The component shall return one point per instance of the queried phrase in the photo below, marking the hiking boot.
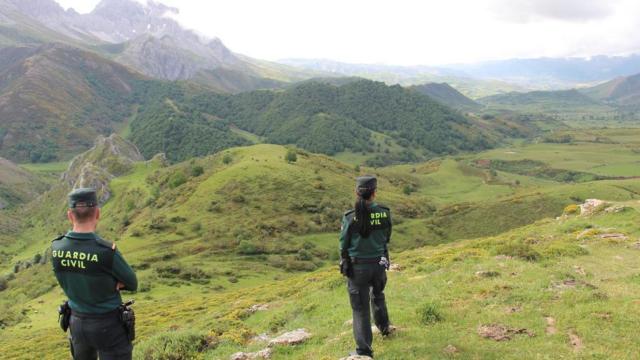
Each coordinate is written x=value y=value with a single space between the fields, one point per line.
x=360 y=356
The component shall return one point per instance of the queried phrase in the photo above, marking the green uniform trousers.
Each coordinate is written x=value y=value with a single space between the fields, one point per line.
x=366 y=290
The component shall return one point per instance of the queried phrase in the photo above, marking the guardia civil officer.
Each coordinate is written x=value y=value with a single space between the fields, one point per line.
x=91 y=271
x=364 y=239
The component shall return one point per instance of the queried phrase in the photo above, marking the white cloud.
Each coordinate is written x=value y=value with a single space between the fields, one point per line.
x=565 y=10
x=414 y=32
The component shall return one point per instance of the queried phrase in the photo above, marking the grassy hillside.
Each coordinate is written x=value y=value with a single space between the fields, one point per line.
x=17 y=186
x=234 y=81
x=545 y=102
x=623 y=91
x=446 y=94
x=574 y=296
x=213 y=236
x=57 y=99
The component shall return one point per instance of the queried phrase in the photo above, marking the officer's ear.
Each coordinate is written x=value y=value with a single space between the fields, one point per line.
x=97 y=213
x=70 y=215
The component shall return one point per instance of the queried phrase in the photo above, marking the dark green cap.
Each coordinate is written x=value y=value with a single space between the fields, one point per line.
x=366 y=182
x=85 y=197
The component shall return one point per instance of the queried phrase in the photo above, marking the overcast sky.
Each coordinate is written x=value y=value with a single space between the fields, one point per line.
x=410 y=32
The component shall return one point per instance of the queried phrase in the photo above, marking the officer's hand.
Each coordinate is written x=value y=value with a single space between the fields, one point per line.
x=119 y=286
x=385 y=262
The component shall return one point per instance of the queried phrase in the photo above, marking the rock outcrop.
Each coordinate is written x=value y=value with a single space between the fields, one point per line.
x=262 y=354
x=109 y=157
x=591 y=206
x=291 y=338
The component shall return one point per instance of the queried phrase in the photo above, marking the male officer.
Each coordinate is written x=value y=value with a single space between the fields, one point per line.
x=92 y=272
x=366 y=232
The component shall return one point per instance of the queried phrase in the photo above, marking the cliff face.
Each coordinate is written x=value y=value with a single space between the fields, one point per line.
x=152 y=42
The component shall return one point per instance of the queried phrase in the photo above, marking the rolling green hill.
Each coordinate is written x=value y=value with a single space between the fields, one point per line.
x=212 y=237
x=446 y=94
x=359 y=116
x=623 y=91
x=545 y=102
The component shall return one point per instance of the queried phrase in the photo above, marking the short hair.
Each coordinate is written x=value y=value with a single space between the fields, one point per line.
x=83 y=214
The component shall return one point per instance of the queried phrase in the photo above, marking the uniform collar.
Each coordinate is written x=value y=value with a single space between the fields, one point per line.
x=81 y=236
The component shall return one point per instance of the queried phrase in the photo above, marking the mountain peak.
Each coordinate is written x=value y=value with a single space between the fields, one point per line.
x=133 y=7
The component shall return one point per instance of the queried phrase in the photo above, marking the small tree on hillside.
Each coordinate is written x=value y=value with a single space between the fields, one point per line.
x=291 y=156
x=226 y=159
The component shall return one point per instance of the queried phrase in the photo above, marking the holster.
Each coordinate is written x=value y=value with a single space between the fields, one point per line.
x=128 y=318
x=346 y=267
x=64 y=316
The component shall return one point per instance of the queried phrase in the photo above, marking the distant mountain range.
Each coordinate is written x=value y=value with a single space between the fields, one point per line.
x=142 y=37
x=620 y=96
x=505 y=75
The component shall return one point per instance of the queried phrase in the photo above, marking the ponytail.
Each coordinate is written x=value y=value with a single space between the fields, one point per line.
x=363 y=212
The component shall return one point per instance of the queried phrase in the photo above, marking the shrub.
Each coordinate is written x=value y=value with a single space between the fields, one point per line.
x=227 y=159
x=246 y=247
x=568 y=250
x=177 y=345
x=291 y=156
x=277 y=323
x=408 y=189
x=571 y=209
x=177 y=179
x=429 y=313
x=4 y=284
x=168 y=271
x=518 y=250
x=304 y=255
x=197 y=171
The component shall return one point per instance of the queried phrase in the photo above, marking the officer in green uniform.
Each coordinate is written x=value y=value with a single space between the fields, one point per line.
x=92 y=272
x=364 y=239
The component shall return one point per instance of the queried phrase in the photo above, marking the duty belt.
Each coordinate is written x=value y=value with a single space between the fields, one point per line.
x=355 y=260
x=108 y=314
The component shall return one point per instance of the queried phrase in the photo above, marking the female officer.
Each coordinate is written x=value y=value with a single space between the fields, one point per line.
x=364 y=239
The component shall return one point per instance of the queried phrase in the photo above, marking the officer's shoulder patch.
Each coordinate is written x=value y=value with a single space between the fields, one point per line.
x=105 y=243
x=59 y=238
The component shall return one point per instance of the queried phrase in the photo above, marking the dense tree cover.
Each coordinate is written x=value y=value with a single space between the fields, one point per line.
x=315 y=116
x=180 y=134
x=324 y=118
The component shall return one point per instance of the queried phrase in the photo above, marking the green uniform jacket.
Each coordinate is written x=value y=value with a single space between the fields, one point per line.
x=370 y=247
x=88 y=268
